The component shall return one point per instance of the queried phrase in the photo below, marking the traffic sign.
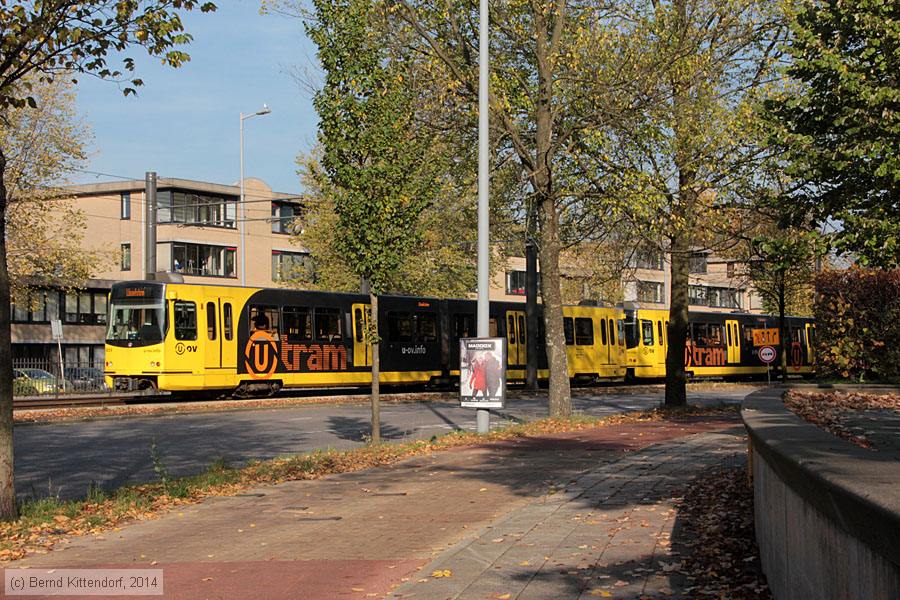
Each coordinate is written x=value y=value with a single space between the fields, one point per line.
x=766 y=337
x=767 y=354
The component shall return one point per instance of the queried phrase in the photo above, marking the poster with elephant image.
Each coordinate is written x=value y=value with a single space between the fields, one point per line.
x=482 y=372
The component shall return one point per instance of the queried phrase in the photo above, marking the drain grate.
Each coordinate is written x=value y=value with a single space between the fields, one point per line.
x=302 y=518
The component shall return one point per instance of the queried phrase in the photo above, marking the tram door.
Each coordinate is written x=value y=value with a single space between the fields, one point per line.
x=810 y=343
x=733 y=339
x=362 y=351
x=515 y=337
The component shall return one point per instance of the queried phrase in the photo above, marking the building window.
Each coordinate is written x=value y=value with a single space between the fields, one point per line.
x=650 y=291
x=38 y=307
x=193 y=208
x=283 y=214
x=649 y=259
x=697 y=295
x=515 y=283
x=203 y=260
x=85 y=308
x=126 y=257
x=697 y=262
x=125 y=204
x=729 y=269
x=290 y=265
x=724 y=297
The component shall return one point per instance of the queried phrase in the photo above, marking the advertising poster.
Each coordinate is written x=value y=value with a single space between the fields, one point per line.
x=482 y=372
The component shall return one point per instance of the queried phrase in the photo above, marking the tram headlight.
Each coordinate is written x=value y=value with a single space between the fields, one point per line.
x=109 y=363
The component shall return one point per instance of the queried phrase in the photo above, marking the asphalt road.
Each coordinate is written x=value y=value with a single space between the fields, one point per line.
x=63 y=459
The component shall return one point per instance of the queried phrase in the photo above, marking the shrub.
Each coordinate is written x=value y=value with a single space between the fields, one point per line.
x=858 y=324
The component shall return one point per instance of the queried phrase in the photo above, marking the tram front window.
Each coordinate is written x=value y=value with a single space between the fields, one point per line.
x=136 y=321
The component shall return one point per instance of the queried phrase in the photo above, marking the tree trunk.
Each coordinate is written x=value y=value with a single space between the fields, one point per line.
x=782 y=329
x=676 y=378
x=376 y=372
x=8 y=509
x=531 y=316
x=560 y=403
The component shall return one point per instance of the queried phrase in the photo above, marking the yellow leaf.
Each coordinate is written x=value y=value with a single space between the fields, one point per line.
x=601 y=593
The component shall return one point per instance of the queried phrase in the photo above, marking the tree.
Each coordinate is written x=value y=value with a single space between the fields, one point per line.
x=375 y=158
x=781 y=265
x=838 y=123
x=556 y=67
x=444 y=266
x=45 y=42
x=680 y=163
x=44 y=226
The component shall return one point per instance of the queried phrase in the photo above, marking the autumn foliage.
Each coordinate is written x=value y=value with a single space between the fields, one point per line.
x=858 y=324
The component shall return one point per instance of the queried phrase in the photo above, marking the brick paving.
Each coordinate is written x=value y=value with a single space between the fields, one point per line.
x=566 y=516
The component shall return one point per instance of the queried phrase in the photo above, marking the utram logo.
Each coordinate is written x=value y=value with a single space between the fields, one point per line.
x=181 y=348
x=261 y=355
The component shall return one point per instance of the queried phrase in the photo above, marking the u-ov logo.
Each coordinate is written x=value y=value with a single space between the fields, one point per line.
x=261 y=355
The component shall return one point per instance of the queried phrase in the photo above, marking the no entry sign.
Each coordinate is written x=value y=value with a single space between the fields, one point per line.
x=767 y=354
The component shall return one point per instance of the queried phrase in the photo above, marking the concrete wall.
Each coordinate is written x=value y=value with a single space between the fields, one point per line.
x=827 y=513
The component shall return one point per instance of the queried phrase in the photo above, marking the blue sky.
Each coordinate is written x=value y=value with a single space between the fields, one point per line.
x=184 y=122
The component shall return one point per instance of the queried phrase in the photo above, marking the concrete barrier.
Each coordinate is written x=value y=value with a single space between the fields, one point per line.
x=827 y=512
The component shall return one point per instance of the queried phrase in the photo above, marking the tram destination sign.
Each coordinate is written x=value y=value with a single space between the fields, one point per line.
x=482 y=372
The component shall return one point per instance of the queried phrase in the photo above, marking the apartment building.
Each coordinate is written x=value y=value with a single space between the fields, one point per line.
x=198 y=241
x=716 y=284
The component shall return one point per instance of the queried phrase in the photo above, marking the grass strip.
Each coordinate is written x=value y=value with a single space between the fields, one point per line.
x=44 y=522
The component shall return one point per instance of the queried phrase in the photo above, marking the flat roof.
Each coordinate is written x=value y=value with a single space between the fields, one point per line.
x=137 y=185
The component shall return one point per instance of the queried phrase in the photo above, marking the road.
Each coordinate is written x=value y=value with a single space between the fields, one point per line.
x=63 y=459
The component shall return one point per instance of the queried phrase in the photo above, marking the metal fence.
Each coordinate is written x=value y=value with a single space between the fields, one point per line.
x=43 y=377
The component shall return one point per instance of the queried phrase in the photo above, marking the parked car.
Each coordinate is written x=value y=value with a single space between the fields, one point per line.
x=85 y=379
x=38 y=381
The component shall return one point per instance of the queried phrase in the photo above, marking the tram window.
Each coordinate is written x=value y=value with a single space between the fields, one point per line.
x=358 y=328
x=521 y=329
x=464 y=325
x=659 y=333
x=568 y=331
x=511 y=329
x=227 y=321
x=427 y=327
x=328 y=324
x=211 y=320
x=602 y=331
x=612 y=332
x=728 y=334
x=630 y=326
x=647 y=332
x=185 y=314
x=264 y=318
x=400 y=327
x=748 y=334
x=584 y=332
x=795 y=335
x=621 y=325
x=297 y=322
x=714 y=334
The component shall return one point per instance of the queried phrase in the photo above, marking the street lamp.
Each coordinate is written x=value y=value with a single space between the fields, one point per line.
x=243 y=222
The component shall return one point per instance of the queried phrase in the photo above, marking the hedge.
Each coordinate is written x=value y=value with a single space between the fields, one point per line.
x=858 y=324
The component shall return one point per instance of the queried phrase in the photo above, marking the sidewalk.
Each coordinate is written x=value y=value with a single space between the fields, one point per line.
x=582 y=514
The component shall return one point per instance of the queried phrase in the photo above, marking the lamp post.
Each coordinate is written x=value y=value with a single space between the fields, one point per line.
x=483 y=416
x=243 y=216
